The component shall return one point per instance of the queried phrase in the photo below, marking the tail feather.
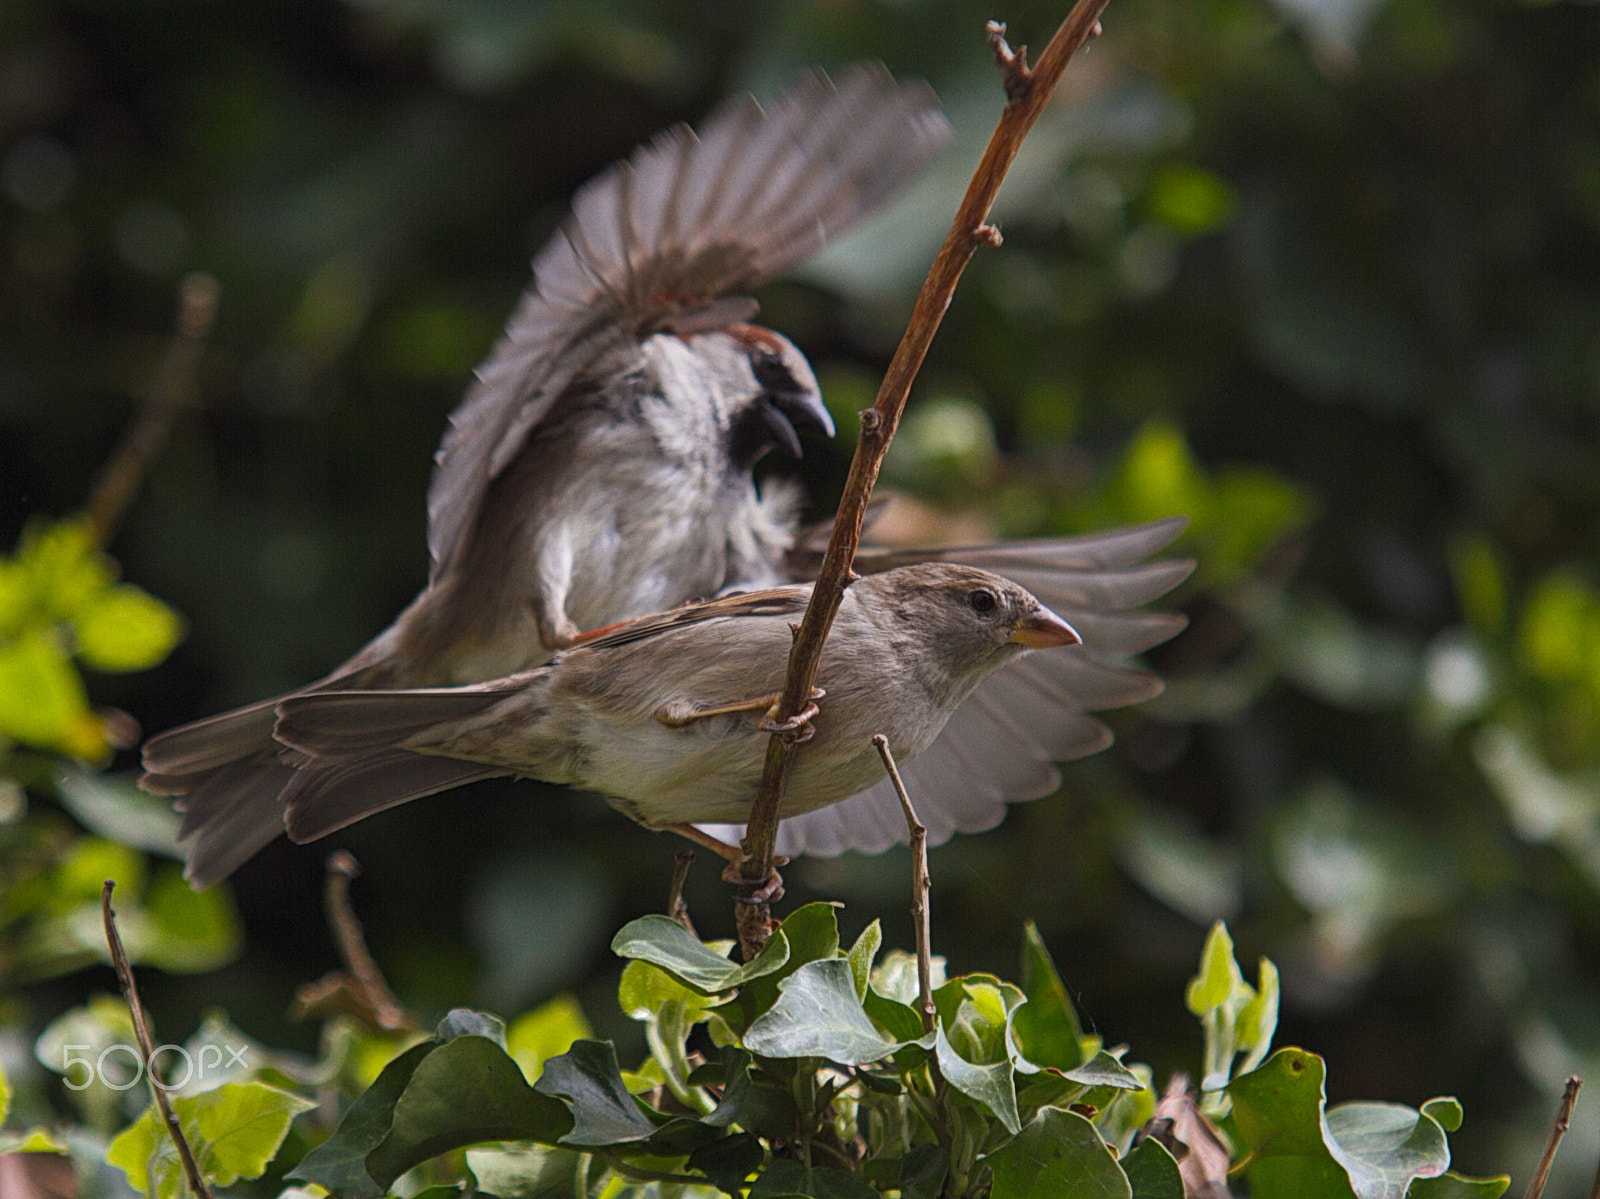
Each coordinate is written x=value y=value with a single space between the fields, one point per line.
x=326 y=795
x=332 y=724
x=233 y=817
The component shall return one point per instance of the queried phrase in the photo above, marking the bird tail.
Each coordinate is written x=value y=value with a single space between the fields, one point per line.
x=226 y=776
x=346 y=765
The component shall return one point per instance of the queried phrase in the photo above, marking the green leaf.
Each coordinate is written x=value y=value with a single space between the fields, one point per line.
x=188 y=931
x=234 y=1132
x=42 y=700
x=1058 y=1153
x=1190 y=199
x=1446 y=1111
x=665 y=943
x=535 y=1037
x=115 y=806
x=125 y=628
x=463 y=1092
x=1152 y=1171
x=861 y=955
x=339 y=1163
x=1046 y=1027
x=786 y=1178
x=603 y=1111
x=1277 y=1112
x=992 y=1085
x=1103 y=1070
x=818 y=1014
x=1383 y=1146
x=729 y=1161
x=465 y=1022
x=1259 y=1018
x=923 y=1171
x=526 y=1172
x=1451 y=1185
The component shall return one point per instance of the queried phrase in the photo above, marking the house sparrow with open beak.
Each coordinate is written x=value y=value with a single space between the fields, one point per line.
x=668 y=716
x=599 y=467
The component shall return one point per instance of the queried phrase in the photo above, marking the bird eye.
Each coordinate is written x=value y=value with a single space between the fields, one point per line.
x=983 y=600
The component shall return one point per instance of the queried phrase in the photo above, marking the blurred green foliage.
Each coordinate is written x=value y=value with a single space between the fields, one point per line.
x=1325 y=276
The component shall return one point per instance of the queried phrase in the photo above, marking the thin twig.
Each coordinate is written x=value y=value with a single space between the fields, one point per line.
x=921 y=885
x=1027 y=92
x=1558 y=1129
x=141 y=1031
x=360 y=987
x=173 y=383
x=676 y=907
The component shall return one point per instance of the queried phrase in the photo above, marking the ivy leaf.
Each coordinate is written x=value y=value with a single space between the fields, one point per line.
x=665 y=943
x=525 y=1172
x=1103 y=1070
x=786 y=1178
x=819 y=1014
x=1046 y=1027
x=1446 y=1109
x=1383 y=1146
x=548 y=1031
x=862 y=953
x=125 y=628
x=1058 y=1153
x=1277 y=1112
x=729 y=1161
x=1451 y=1185
x=992 y=1085
x=234 y=1131
x=603 y=1111
x=1152 y=1171
x=463 y=1092
x=339 y=1163
x=42 y=700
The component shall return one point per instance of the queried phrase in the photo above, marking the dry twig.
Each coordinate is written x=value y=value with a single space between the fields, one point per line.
x=174 y=381
x=1027 y=93
x=359 y=989
x=147 y=1045
x=921 y=885
x=676 y=907
x=1558 y=1129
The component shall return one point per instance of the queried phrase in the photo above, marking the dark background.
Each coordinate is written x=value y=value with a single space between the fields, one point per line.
x=1322 y=274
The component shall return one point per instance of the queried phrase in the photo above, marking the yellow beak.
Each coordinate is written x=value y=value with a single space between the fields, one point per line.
x=1043 y=630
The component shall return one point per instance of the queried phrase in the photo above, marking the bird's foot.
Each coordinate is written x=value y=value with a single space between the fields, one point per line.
x=769 y=891
x=798 y=729
x=678 y=713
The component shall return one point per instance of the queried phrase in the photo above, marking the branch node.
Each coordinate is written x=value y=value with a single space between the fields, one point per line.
x=1014 y=69
x=871 y=422
x=988 y=235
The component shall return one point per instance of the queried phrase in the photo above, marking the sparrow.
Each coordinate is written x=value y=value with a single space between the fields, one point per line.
x=1002 y=745
x=668 y=717
x=599 y=466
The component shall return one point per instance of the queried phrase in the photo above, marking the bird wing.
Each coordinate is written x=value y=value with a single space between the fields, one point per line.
x=772 y=601
x=1001 y=745
x=666 y=240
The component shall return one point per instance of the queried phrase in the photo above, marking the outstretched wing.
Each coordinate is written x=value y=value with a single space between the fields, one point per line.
x=667 y=239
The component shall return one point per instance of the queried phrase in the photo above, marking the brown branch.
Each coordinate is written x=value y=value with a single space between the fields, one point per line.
x=141 y=1031
x=676 y=907
x=921 y=885
x=1558 y=1129
x=174 y=381
x=1027 y=92
x=359 y=989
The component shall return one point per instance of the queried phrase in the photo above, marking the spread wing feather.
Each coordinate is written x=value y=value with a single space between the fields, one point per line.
x=665 y=239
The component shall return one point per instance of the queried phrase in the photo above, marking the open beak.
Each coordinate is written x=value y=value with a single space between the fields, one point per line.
x=783 y=412
x=1043 y=630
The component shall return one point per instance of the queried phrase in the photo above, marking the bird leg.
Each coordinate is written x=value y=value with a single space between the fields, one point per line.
x=681 y=712
x=769 y=891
